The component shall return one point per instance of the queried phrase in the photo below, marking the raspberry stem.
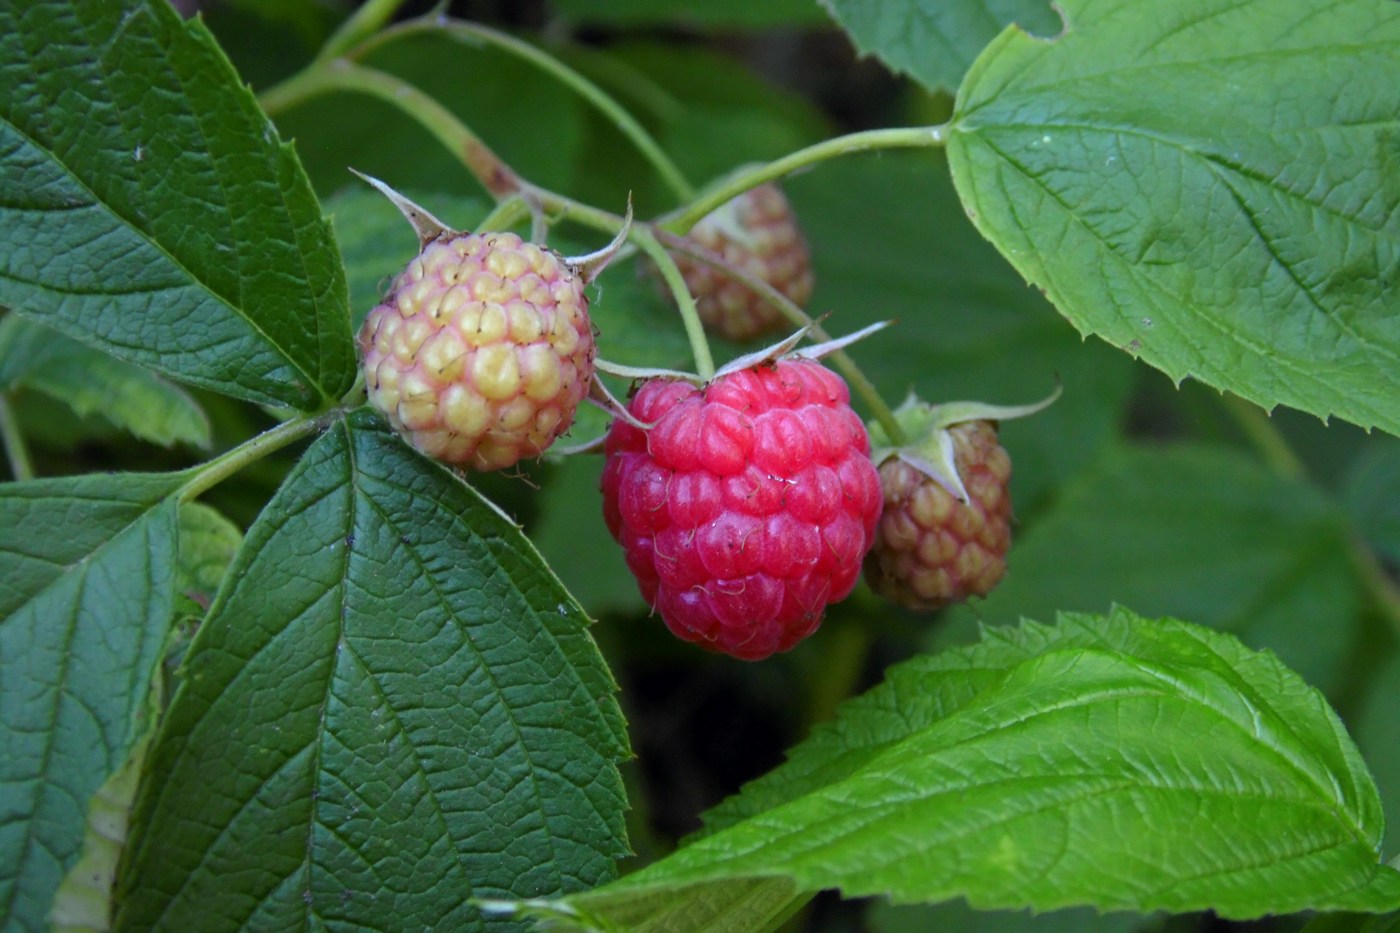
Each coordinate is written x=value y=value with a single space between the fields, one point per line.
x=341 y=75
x=505 y=214
x=16 y=451
x=917 y=137
x=208 y=475
x=365 y=21
x=861 y=385
x=694 y=331
x=474 y=34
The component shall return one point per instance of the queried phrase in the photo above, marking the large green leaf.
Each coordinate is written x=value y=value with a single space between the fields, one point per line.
x=1116 y=762
x=151 y=211
x=935 y=41
x=89 y=571
x=93 y=382
x=966 y=326
x=1197 y=533
x=391 y=707
x=1211 y=185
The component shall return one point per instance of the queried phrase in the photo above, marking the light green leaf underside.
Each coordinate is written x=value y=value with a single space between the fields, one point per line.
x=93 y=382
x=935 y=41
x=83 y=902
x=1115 y=762
x=151 y=211
x=1211 y=185
x=392 y=707
x=88 y=564
x=1197 y=533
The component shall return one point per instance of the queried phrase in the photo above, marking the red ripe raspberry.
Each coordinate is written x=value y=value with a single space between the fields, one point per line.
x=758 y=233
x=932 y=550
x=482 y=351
x=747 y=507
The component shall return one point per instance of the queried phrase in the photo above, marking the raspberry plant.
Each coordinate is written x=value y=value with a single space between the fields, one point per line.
x=264 y=665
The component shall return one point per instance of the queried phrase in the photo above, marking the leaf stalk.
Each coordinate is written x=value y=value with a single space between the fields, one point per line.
x=16 y=451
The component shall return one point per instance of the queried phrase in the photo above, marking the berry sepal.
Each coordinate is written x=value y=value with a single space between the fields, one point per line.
x=945 y=525
x=929 y=447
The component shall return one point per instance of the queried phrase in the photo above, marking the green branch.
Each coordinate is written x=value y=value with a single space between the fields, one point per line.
x=861 y=385
x=365 y=22
x=922 y=137
x=694 y=331
x=208 y=475
x=340 y=75
x=474 y=34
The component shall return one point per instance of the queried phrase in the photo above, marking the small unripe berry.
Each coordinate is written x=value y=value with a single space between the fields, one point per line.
x=758 y=233
x=932 y=550
x=482 y=351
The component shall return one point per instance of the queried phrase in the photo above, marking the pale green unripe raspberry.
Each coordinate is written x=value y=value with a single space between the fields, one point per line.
x=482 y=351
x=758 y=233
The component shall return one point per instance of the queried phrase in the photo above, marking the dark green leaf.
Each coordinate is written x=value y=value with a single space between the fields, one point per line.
x=391 y=708
x=1115 y=762
x=93 y=382
x=1213 y=187
x=208 y=543
x=890 y=242
x=89 y=571
x=935 y=41
x=1193 y=532
x=1372 y=495
x=151 y=211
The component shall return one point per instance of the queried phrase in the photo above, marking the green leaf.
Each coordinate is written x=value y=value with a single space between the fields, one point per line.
x=935 y=41
x=83 y=902
x=1214 y=188
x=1372 y=494
x=392 y=707
x=1198 y=533
x=1115 y=762
x=88 y=564
x=208 y=543
x=93 y=382
x=966 y=326
x=151 y=211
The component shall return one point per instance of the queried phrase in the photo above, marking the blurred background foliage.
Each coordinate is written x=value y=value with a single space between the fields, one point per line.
x=1128 y=490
